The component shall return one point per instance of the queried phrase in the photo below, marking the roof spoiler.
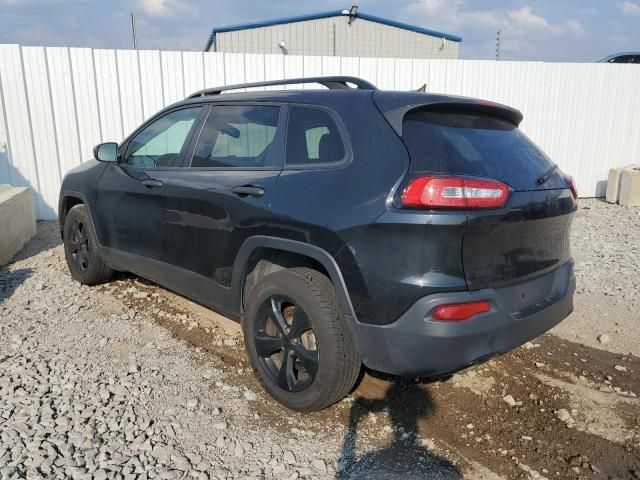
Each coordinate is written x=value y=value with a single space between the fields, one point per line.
x=394 y=108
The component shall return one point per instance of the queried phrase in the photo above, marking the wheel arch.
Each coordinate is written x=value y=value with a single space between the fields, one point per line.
x=243 y=264
x=68 y=200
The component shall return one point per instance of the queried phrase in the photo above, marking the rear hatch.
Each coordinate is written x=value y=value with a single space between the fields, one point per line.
x=521 y=239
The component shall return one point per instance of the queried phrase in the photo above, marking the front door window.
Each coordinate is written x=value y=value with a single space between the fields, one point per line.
x=161 y=143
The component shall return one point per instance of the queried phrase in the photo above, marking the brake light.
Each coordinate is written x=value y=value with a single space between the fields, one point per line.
x=455 y=192
x=572 y=186
x=460 y=311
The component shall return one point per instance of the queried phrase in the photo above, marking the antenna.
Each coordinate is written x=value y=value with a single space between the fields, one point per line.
x=498 y=45
x=133 y=31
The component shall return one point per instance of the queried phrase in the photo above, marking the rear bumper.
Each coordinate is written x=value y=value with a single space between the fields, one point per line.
x=415 y=345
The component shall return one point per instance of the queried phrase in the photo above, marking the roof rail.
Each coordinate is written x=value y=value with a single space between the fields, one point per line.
x=337 y=83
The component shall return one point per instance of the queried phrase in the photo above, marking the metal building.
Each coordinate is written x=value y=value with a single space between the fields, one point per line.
x=346 y=33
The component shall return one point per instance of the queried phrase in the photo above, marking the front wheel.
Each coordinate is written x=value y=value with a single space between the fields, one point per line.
x=81 y=249
x=298 y=343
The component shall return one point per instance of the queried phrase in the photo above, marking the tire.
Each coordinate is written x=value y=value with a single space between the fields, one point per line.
x=81 y=249
x=314 y=328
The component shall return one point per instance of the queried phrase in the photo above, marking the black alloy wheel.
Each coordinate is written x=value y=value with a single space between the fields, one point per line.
x=81 y=248
x=286 y=343
x=79 y=245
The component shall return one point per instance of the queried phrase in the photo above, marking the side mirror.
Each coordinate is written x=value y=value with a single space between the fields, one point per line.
x=106 y=152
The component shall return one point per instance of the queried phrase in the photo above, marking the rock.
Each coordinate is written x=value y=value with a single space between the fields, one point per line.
x=219 y=425
x=563 y=415
x=238 y=451
x=250 y=395
x=181 y=462
x=319 y=464
x=511 y=401
x=100 y=474
x=192 y=404
x=289 y=458
x=620 y=368
x=603 y=338
x=220 y=443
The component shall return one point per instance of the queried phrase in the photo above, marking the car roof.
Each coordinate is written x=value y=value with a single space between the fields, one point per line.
x=393 y=104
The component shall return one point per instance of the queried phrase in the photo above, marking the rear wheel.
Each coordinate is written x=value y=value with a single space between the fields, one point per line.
x=298 y=343
x=81 y=249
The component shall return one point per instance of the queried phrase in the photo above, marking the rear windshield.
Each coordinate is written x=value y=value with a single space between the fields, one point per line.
x=476 y=145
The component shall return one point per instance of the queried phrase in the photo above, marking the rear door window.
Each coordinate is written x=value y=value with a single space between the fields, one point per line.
x=474 y=145
x=237 y=136
x=313 y=138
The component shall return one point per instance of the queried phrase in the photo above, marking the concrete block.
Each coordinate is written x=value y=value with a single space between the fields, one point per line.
x=613 y=182
x=17 y=222
x=630 y=188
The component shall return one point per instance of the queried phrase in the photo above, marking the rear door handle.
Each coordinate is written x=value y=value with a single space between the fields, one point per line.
x=248 y=191
x=151 y=183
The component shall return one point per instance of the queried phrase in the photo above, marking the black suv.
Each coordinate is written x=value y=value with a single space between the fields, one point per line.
x=416 y=234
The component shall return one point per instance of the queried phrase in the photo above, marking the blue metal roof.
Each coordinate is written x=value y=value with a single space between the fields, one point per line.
x=332 y=13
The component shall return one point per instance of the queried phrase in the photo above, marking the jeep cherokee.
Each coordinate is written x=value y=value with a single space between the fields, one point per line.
x=414 y=233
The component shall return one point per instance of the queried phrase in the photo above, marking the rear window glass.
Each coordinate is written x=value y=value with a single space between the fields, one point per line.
x=471 y=144
x=313 y=138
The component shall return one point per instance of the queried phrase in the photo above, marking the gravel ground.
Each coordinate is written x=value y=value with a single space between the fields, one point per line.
x=91 y=388
x=606 y=248
x=128 y=380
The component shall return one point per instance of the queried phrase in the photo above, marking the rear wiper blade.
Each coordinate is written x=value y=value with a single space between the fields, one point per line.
x=547 y=175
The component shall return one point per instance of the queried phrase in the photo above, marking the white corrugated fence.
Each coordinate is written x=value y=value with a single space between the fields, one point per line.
x=56 y=103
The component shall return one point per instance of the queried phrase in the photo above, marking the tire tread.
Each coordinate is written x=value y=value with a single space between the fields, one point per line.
x=322 y=289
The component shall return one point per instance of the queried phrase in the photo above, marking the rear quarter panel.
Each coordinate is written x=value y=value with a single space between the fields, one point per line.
x=388 y=257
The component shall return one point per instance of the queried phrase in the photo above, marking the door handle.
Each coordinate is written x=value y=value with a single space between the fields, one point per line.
x=151 y=183
x=248 y=191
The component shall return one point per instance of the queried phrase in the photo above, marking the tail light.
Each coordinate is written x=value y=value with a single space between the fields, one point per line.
x=572 y=186
x=455 y=192
x=460 y=311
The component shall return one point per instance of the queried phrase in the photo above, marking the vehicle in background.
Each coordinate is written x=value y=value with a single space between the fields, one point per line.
x=626 y=57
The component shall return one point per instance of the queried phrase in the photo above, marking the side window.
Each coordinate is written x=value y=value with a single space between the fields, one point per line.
x=623 y=59
x=313 y=138
x=237 y=136
x=160 y=144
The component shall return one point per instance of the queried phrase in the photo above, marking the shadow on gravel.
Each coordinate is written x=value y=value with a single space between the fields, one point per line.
x=11 y=280
x=406 y=403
